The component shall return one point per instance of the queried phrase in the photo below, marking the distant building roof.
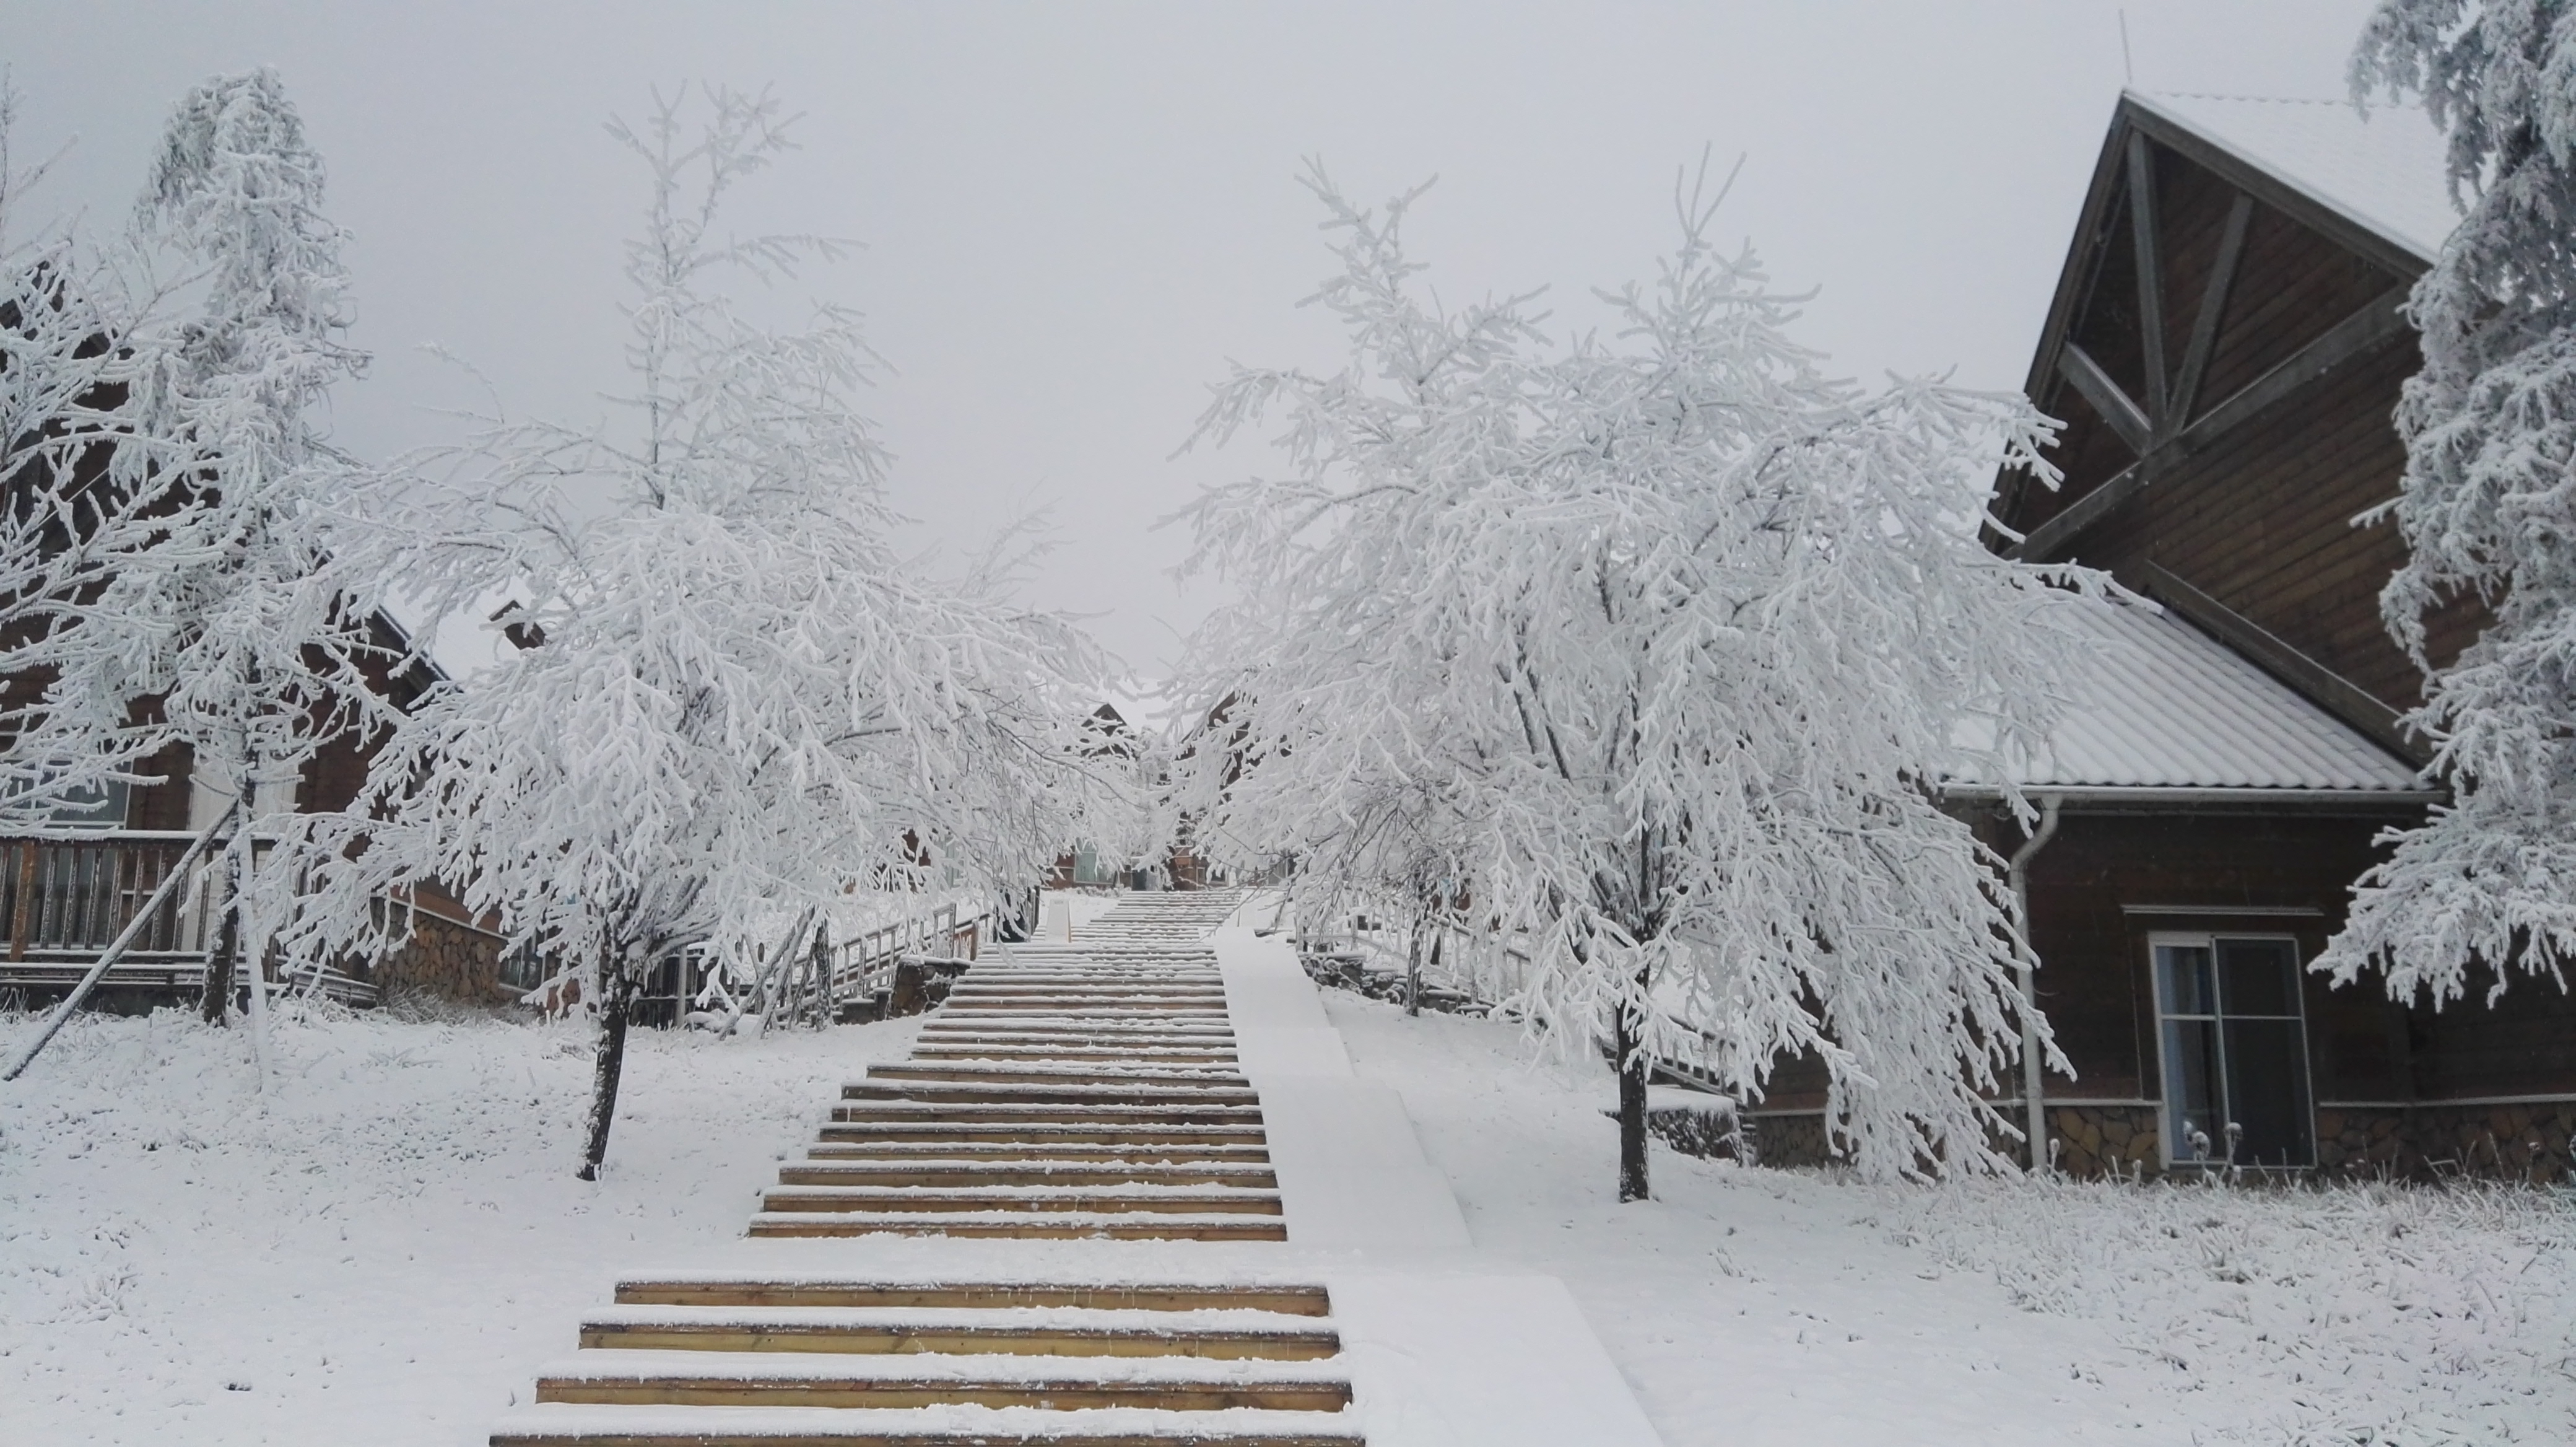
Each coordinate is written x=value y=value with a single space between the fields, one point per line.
x=2384 y=171
x=2168 y=707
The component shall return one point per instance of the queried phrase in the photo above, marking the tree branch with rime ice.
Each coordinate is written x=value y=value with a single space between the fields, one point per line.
x=730 y=697
x=1655 y=648
x=2487 y=506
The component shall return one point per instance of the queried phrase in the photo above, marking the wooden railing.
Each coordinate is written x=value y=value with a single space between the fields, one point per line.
x=71 y=897
x=816 y=983
x=864 y=967
x=65 y=899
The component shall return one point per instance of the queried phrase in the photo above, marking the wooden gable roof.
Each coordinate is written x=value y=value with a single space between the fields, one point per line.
x=2203 y=288
x=2225 y=346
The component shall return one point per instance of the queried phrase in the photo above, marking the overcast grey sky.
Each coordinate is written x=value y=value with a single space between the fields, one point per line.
x=1075 y=214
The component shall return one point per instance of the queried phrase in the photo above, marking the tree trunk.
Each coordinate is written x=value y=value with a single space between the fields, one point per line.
x=616 y=1002
x=1632 y=1108
x=215 y=998
x=1413 y=969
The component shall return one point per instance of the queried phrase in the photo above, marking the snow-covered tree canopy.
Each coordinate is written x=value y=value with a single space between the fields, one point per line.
x=729 y=691
x=210 y=612
x=72 y=491
x=2487 y=506
x=1663 y=641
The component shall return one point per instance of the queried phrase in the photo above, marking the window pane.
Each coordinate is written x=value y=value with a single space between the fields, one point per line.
x=2258 y=977
x=100 y=806
x=2192 y=1093
x=2182 y=979
x=2267 y=1092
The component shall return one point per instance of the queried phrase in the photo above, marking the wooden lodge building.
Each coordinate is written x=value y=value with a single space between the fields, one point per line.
x=66 y=894
x=2226 y=350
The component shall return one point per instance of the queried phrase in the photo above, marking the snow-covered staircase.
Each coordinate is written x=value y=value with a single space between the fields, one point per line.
x=1063 y=1092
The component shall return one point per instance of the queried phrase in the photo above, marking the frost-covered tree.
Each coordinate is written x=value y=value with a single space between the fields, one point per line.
x=1665 y=640
x=731 y=697
x=2487 y=506
x=80 y=481
x=229 y=631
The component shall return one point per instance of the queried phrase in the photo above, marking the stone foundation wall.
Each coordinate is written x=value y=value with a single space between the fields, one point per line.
x=2533 y=1142
x=446 y=960
x=2526 y=1141
x=1791 y=1140
x=2100 y=1140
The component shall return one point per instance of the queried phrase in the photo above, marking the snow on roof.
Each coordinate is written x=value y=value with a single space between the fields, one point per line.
x=2168 y=707
x=2385 y=171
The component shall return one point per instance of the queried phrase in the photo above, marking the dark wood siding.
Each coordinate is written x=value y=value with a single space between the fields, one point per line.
x=2094 y=984
x=164 y=805
x=2525 y=1044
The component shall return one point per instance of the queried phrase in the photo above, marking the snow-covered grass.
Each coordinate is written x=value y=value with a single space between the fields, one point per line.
x=385 y=1248
x=1751 y=1307
x=388 y=1246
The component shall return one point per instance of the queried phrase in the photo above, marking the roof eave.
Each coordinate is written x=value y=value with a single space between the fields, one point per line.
x=2163 y=798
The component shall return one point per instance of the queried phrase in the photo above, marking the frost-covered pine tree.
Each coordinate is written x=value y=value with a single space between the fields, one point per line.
x=1665 y=640
x=230 y=631
x=2487 y=506
x=730 y=696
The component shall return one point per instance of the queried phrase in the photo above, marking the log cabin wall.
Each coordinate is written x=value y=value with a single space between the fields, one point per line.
x=2108 y=882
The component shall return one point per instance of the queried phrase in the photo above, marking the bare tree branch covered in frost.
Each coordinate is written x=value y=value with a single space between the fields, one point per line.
x=214 y=618
x=76 y=475
x=1665 y=641
x=2487 y=506
x=730 y=694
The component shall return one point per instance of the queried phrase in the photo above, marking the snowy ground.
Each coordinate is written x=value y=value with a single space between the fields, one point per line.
x=387 y=1248
x=1768 y=1307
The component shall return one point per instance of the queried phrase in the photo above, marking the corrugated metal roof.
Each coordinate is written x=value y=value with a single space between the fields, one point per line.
x=2384 y=171
x=2168 y=707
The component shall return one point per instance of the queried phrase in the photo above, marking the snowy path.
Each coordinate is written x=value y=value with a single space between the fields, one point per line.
x=1447 y=1344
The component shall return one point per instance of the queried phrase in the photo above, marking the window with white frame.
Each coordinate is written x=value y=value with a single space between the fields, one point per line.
x=2234 y=1046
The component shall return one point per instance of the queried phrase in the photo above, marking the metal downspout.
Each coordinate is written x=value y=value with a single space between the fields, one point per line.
x=2017 y=870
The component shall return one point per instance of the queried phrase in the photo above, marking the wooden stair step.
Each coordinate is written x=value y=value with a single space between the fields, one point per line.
x=564 y=1424
x=1058 y=1087
x=1130 y=1200
x=809 y=1379
x=920 y=1152
x=1027 y=1226
x=1055 y=1068
x=1028 y=1173
x=1057 y=1131
x=1212 y=1336
x=997 y=1113
x=1077 y=1054
x=719 y=1289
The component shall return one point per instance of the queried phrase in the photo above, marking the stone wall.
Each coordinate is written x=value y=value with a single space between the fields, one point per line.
x=445 y=960
x=2098 y=1140
x=2529 y=1142
x=1791 y=1140
x=2526 y=1141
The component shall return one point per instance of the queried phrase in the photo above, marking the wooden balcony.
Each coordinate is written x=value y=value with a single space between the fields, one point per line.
x=64 y=899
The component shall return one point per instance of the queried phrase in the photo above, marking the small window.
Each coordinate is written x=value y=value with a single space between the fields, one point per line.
x=96 y=806
x=2235 y=1050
